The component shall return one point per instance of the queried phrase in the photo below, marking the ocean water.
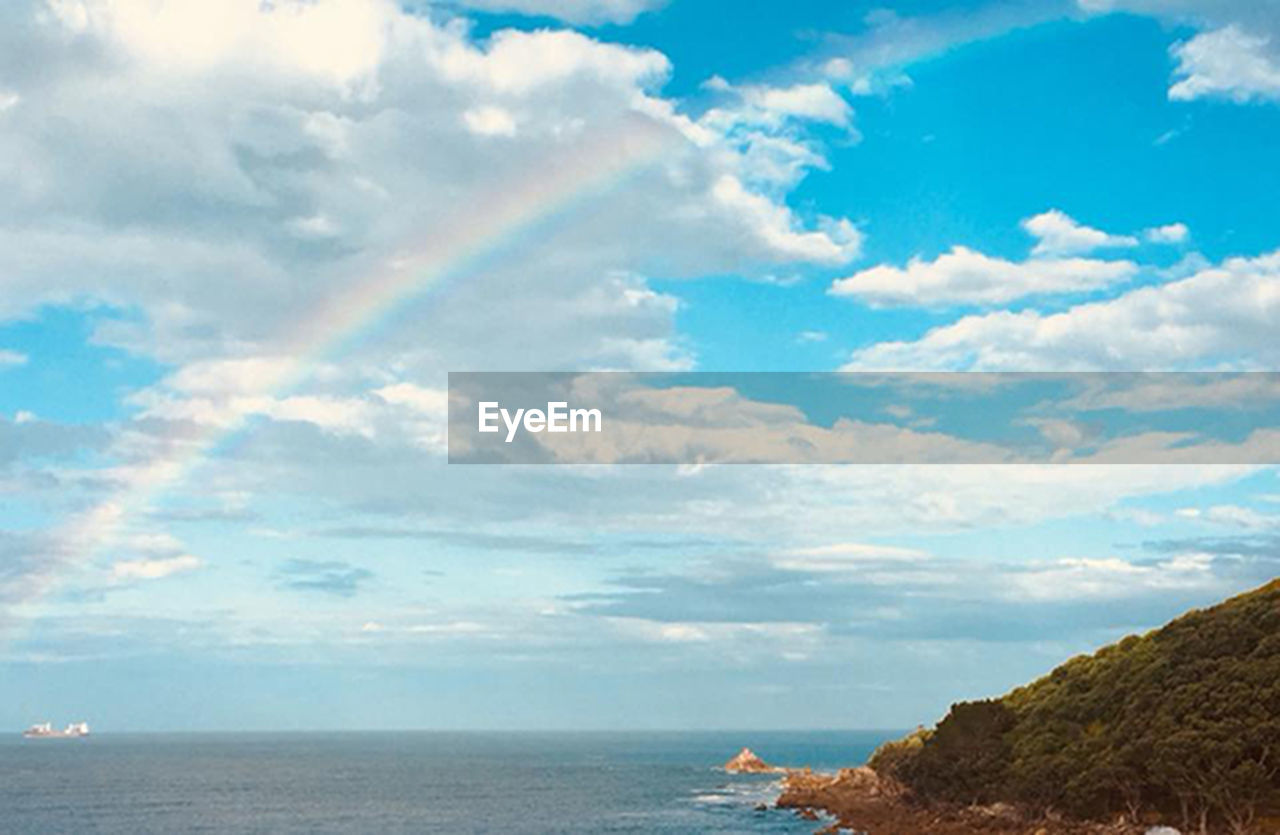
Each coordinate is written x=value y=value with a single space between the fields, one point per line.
x=407 y=782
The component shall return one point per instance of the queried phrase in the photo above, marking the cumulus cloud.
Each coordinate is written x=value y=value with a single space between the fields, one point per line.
x=1170 y=233
x=488 y=120
x=222 y=393
x=964 y=276
x=338 y=40
x=219 y=218
x=571 y=11
x=761 y=130
x=1234 y=55
x=292 y=154
x=233 y=189
x=1221 y=316
x=1057 y=233
x=816 y=102
x=1228 y=63
x=838 y=242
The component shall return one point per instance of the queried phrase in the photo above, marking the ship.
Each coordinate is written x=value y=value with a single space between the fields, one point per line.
x=45 y=730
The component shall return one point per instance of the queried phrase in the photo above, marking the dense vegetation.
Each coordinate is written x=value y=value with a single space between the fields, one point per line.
x=1181 y=725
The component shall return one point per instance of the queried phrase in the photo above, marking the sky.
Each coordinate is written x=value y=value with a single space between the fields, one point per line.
x=242 y=244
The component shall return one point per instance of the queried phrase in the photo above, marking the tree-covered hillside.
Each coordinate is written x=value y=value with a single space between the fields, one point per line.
x=1180 y=725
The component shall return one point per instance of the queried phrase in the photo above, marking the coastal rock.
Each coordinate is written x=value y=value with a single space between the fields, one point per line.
x=863 y=800
x=804 y=788
x=1001 y=811
x=746 y=762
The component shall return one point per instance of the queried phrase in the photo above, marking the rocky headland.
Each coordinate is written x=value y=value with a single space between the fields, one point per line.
x=1174 y=731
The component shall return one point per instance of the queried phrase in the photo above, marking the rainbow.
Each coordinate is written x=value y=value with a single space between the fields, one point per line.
x=549 y=190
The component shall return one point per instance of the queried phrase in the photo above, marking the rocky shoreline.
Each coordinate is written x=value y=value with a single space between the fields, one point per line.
x=862 y=801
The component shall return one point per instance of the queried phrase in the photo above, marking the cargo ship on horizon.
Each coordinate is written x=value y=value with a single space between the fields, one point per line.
x=45 y=730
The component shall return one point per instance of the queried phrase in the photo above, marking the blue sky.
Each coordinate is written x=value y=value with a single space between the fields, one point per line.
x=241 y=246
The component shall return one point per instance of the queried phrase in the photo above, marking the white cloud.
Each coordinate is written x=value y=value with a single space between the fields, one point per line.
x=837 y=243
x=516 y=62
x=431 y=402
x=572 y=11
x=1233 y=516
x=341 y=415
x=845 y=557
x=246 y=375
x=815 y=102
x=1059 y=234
x=154 y=569
x=255 y=198
x=294 y=165
x=1170 y=233
x=760 y=129
x=1228 y=63
x=9 y=359
x=1221 y=316
x=337 y=40
x=488 y=120
x=1234 y=56
x=764 y=634
x=310 y=181
x=1137 y=515
x=1109 y=577
x=963 y=276
x=315 y=226
x=429 y=413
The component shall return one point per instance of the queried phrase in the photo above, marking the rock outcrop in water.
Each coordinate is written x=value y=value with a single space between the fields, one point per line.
x=746 y=762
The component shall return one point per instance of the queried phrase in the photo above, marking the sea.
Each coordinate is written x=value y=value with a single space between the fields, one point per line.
x=400 y=782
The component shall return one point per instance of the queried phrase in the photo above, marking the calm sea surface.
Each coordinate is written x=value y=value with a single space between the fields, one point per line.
x=406 y=782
